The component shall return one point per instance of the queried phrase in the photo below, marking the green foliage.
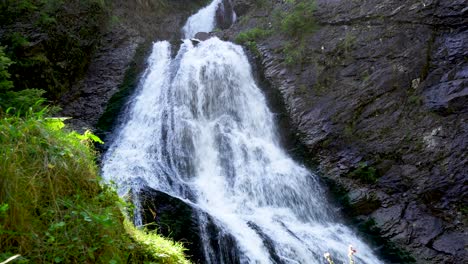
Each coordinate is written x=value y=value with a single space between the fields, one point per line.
x=299 y=20
x=17 y=102
x=58 y=49
x=20 y=103
x=415 y=100
x=347 y=43
x=294 y=54
x=252 y=35
x=248 y=38
x=5 y=62
x=52 y=208
x=260 y=3
x=365 y=173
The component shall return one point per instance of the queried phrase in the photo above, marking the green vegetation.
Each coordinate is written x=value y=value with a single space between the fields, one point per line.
x=50 y=41
x=299 y=20
x=252 y=35
x=365 y=173
x=249 y=38
x=296 y=21
x=53 y=208
x=294 y=54
x=16 y=102
x=346 y=44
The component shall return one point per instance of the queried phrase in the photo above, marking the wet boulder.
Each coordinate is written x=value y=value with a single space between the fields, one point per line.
x=184 y=222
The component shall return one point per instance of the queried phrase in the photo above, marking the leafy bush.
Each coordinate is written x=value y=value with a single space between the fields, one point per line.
x=16 y=102
x=299 y=20
x=365 y=173
x=50 y=41
x=5 y=62
x=252 y=35
x=294 y=54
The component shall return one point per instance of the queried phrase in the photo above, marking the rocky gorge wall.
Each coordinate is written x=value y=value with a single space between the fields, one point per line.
x=120 y=58
x=378 y=93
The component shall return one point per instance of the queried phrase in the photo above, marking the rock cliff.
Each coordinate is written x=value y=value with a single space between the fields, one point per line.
x=378 y=94
x=120 y=57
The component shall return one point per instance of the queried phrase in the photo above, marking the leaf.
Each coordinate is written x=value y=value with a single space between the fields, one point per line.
x=3 y=208
x=88 y=134
x=55 y=123
x=86 y=217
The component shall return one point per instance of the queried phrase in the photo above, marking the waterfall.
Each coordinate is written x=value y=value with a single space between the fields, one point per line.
x=199 y=129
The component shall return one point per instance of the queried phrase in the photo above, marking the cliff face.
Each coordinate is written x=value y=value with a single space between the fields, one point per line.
x=121 y=54
x=378 y=93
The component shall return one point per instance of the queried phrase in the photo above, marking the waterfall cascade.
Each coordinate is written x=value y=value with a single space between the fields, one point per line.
x=199 y=129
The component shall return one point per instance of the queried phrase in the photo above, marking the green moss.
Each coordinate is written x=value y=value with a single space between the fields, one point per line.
x=294 y=54
x=364 y=173
x=128 y=86
x=252 y=35
x=299 y=19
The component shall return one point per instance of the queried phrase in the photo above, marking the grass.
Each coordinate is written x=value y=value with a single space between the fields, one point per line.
x=52 y=206
x=249 y=38
x=252 y=34
x=299 y=19
x=297 y=22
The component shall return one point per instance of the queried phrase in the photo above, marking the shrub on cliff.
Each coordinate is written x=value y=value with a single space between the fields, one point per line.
x=299 y=19
x=50 y=41
x=16 y=102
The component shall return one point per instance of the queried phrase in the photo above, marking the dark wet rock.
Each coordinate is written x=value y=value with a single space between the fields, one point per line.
x=137 y=24
x=452 y=243
x=202 y=36
x=173 y=218
x=241 y=7
x=182 y=221
x=384 y=83
x=387 y=218
x=224 y=14
x=363 y=202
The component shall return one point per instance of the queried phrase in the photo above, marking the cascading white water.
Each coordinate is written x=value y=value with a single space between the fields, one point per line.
x=200 y=130
x=202 y=21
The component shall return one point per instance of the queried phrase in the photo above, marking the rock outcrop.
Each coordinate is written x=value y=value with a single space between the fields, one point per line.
x=133 y=24
x=378 y=96
x=182 y=221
